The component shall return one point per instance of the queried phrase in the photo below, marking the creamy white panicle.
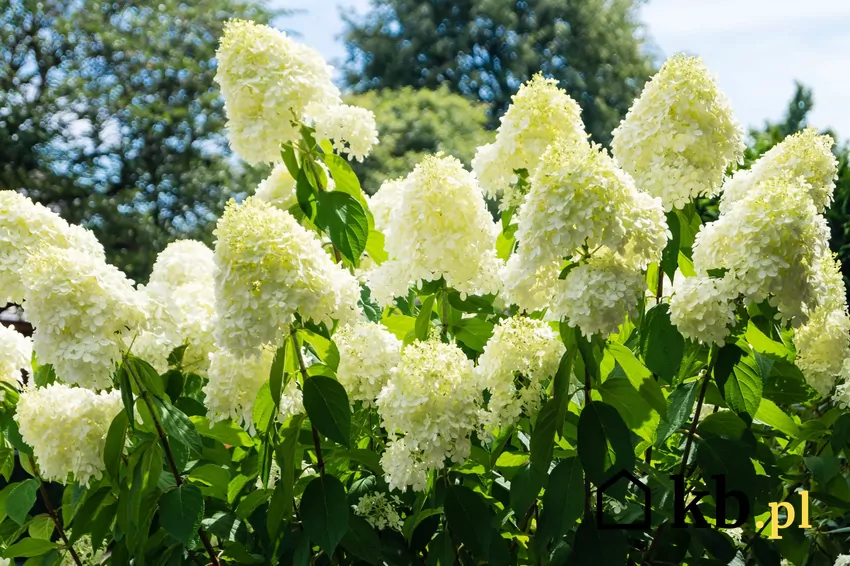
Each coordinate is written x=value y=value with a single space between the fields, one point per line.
x=181 y=307
x=539 y=114
x=24 y=226
x=380 y=511
x=85 y=313
x=805 y=154
x=233 y=385
x=769 y=242
x=823 y=342
x=367 y=354
x=278 y=188
x=842 y=560
x=702 y=308
x=597 y=295
x=15 y=354
x=269 y=267
x=680 y=135
x=66 y=428
x=581 y=204
x=429 y=408
x=435 y=224
x=514 y=367
x=270 y=83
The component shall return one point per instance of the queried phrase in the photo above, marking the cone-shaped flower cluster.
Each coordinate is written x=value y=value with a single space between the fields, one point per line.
x=15 y=354
x=367 y=355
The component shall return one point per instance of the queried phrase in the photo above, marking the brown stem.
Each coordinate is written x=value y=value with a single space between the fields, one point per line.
x=172 y=464
x=693 y=429
x=320 y=462
x=52 y=513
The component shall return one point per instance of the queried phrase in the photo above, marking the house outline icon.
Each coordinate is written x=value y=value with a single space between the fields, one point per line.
x=647 y=503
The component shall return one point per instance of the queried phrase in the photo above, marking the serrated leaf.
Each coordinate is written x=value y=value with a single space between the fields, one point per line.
x=227 y=432
x=423 y=319
x=114 y=446
x=324 y=512
x=21 y=499
x=178 y=426
x=344 y=219
x=662 y=345
x=562 y=502
x=29 y=547
x=604 y=442
x=469 y=519
x=327 y=406
x=181 y=511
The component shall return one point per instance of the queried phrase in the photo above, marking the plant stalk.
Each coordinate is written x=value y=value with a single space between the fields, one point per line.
x=52 y=513
x=320 y=462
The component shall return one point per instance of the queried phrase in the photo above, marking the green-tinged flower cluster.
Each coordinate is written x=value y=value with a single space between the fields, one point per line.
x=680 y=135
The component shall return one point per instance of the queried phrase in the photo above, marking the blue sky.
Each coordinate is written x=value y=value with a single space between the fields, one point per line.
x=757 y=48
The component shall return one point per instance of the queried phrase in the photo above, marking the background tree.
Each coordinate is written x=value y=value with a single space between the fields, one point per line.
x=484 y=49
x=112 y=119
x=414 y=123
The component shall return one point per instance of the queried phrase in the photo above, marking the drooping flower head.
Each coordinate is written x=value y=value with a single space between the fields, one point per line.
x=270 y=83
x=429 y=408
x=24 y=226
x=268 y=268
x=680 y=135
x=806 y=154
x=233 y=385
x=368 y=352
x=85 y=313
x=66 y=428
x=517 y=361
x=15 y=354
x=702 y=308
x=435 y=224
x=539 y=114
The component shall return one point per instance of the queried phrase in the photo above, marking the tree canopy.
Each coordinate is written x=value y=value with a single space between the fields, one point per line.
x=112 y=119
x=415 y=123
x=484 y=49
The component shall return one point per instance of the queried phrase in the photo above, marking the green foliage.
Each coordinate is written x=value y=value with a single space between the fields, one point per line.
x=113 y=119
x=484 y=49
x=415 y=123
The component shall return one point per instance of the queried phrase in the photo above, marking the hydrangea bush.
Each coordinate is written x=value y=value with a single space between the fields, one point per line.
x=593 y=378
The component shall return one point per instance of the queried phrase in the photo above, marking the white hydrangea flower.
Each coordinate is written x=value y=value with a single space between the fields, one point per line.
x=597 y=295
x=429 y=408
x=268 y=81
x=380 y=511
x=823 y=342
x=384 y=201
x=351 y=129
x=769 y=242
x=85 y=313
x=269 y=267
x=842 y=560
x=680 y=135
x=24 y=226
x=805 y=154
x=183 y=262
x=367 y=354
x=539 y=114
x=435 y=224
x=278 y=188
x=15 y=354
x=531 y=291
x=233 y=385
x=66 y=428
x=702 y=308
x=517 y=361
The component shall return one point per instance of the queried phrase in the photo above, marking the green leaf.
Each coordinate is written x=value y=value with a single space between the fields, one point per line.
x=180 y=512
x=29 y=547
x=543 y=435
x=681 y=406
x=21 y=499
x=670 y=255
x=639 y=376
x=227 y=432
x=599 y=547
x=423 y=319
x=326 y=403
x=305 y=192
x=41 y=526
x=264 y=409
x=742 y=388
x=604 y=442
x=621 y=394
x=44 y=375
x=179 y=427
x=770 y=414
x=525 y=487
x=146 y=375
x=469 y=519
x=344 y=219
x=324 y=512
x=276 y=374
x=362 y=540
x=114 y=446
x=126 y=395
x=287 y=153
x=251 y=501
x=661 y=344
x=399 y=325
x=345 y=180
x=214 y=476
x=563 y=501
x=473 y=332
x=280 y=508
